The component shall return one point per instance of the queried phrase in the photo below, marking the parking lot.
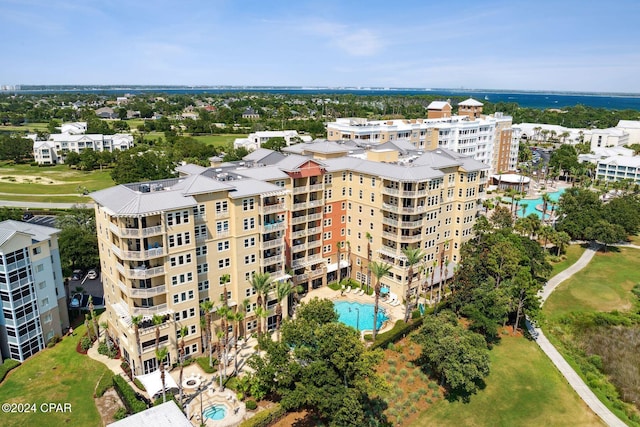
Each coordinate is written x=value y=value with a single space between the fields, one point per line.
x=46 y=220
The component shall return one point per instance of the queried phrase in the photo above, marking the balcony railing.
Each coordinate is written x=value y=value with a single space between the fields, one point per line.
x=314 y=244
x=298 y=248
x=270 y=228
x=148 y=292
x=314 y=203
x=144 y=273
x=278 y=207
x=389 y=221
x=149 y=311
x=299 y=219
x=390 y=208
x=136 y=232
x=411 y=239
x=390 y=235
x=151 y=253
x=300 y=190
x=390 y=191
x=271 y=244
x=222 y=214
x=315 y=187
x=271 y=260
x=301 y=233
x=411 y=224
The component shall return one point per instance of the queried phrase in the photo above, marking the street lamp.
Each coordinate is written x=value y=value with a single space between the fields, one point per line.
x=201 y=413
x=357 y=318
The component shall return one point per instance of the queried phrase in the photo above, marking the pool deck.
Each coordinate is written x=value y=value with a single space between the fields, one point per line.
x=394 y=313
x=236 y=410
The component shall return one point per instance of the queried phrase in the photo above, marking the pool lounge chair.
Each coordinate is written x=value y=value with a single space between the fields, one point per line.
x=395 y=303
x=361 y=292
x=348 y=289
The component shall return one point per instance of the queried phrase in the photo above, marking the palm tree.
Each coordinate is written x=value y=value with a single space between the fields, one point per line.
x=414 y=256
x=224 y=279
x=161 y=354
x=207 y=306
x=238 y=318
x=224 y=312
x=283 y=290
x=94 y=321
x=107 y=339
x=369 y=237
x=444 y=245
x=261 y=282
x=245 y=304
x=379 y=270
x=561 y=240
x=434 y=265
x=183 y=333
x=546 y=201
x=348 y=259
x=157 y=321
x=135 y=321
x=339 y=246
x=261 y=313
x=546 y=233
x=220 y=334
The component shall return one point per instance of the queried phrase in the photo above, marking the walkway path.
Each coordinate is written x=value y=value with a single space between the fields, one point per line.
x=567 y=371
x=42 y=205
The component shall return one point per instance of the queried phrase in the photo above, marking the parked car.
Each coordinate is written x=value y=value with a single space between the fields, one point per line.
x=77 y=275
x=92 y=274
x=27 y=216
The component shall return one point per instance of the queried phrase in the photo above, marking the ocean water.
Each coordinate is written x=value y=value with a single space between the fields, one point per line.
x=523 y=98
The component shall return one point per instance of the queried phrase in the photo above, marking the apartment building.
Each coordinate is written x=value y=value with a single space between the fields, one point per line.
x=32 y=293
x=484 y=138
x=618 y=168
x=319 y=210
x=54 y=150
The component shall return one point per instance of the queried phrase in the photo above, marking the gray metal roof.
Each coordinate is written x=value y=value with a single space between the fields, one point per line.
x=294 y=161
x=266 y=173
x=317 y=146
x=38 y=233
x=167 y=414
x=251 y=187
x=396 y=172
x=124 y=201
x=190 y=169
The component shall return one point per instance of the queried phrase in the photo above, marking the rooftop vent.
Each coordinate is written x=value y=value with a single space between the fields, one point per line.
x=145 y=188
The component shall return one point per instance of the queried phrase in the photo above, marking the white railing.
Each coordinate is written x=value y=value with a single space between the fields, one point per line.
x=271 y=260
x=298 y=206
x=144 y=273
x=222 y=214
x=148 y=292
x=149 y=311
x=315 y=187
x=411 y=224
x=411 y=239
x=271 y=244
x=314 y=203
x=390 y=191
x=391 y=208
x=151 y=253
x=270 y=228
x=278 y=207
x=299 y=219
x=389 y=221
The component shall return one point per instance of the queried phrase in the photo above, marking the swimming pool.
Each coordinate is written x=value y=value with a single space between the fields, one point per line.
x=358 y=315
x=532 y=203
x=215 y=412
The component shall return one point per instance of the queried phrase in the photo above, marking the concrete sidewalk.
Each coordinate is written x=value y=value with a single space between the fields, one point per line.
x=567 y=371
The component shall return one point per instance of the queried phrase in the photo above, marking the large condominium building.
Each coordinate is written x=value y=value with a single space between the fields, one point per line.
x=32 y=293
x=484 y=138
x=54 y=150
x=323 y=209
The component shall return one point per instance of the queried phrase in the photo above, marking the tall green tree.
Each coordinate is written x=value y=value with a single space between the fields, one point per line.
x=414 y=256
x=379 y=270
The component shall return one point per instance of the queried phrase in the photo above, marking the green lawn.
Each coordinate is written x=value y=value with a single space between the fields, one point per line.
x=41 y=182
x=603 y=285
x=573 y=252
x=635 y=240
x=27 y=128
x=57 y=375
x=523 y=389
x=219 y=141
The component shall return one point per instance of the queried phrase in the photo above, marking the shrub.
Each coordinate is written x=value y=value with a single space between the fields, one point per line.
x=169 y=397
x=86 y=343
x=392 y=362
x=392 y=370
x=128 y=396
x=265 y=418
x=120 y=414
x=433 y=385
x=127 y=369
x=103 y=348
x=139 y=384
x=8 y=365
x=251 y=405
x=335 y=286
x=203 y=362
x=104 y=383
x=53 y=341
x=400 y=330
x=402 y=357
x=391 y=346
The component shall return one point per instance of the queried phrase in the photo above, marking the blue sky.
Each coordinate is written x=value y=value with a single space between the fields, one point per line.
x=517 y=44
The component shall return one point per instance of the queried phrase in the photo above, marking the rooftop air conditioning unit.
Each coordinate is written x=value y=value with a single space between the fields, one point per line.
x=145 y=188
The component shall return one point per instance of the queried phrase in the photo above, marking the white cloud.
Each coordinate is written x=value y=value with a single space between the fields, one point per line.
x=360 y=43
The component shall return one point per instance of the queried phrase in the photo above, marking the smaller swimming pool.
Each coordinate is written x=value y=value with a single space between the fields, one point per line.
x=215 y=412
x=359 y=316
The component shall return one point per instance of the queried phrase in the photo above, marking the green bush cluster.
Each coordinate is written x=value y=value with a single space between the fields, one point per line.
x=103 y=348
x=86 y=343
x=169 y=397
x=251 y=405
x=105 y=382
x=139 y=384
x=8 y=365
x=53 y=341
x=203 y=362
x=120 y=414
x=128 y=396
x=265 y=418
x=399 y=331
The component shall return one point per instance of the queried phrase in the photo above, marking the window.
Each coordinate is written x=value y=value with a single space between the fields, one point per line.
x=45 y=302
x=327 y=235
x=328 y=194
x=327 y=222
x=37 y=250
x=201 y=231
x=202 y=268
x=373 y=182
x=198 y=211
x=328 y=209
x=373 y=197
x=328 y=178
x=223 y=246
x=250 y=259
x=343 y=206
x=248 y=223
x=222 y=280
x=203 y=286
x=179 y=239
x=361 y=179
x=39 y=268
x=201 y=250
x=224 y=262
x=42 y=285
x=47 y=318
x=175 y=218
x=182 y=278
x=247 y=204
x=326 y=248
x=222 y=207
x=249 y=291
x=180 y=260
x=344 y=176
x=222 y=227
x=249 y=275
x=251 y=241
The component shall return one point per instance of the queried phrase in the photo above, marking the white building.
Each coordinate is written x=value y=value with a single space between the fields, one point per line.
x=603 y=153
x=632 y=127
x=541 y=132
x=55 y=148
x=255 y=140
x=605 y=138
x=75 y=128
x=617 y=168
x=32 y=293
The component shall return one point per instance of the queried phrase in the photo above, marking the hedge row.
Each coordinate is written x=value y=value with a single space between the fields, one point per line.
x=399 y=331
x=128 y=396
x=203 y=362
x=105 y=382
x=266 y=417
x=8 y=365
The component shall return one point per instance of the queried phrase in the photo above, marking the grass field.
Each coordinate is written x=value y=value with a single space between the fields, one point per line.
x=32 y=183
x=220 y=141
x=523 y=389
x=57 y=375
x=27 y=128
x=573 y=252
x=603 y=285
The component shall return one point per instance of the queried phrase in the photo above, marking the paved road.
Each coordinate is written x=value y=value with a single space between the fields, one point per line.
x=38 y=205
x=567 y=371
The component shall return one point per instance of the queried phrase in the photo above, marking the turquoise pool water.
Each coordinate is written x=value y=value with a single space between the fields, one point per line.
x=215 y=412
x=532 y=203
x=348 y=314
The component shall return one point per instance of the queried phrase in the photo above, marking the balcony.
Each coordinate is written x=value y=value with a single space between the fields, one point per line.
x=411 y=224
x=222 y=233
x=314 y=230
x=278 y=207
x=314 y=217
x=303 y=262
x=391 y=208
x=390 y=191
x=299 y=220
x=301 y=233
x=270 y=228
x=148 y=292
x=316 y=187
x=389 y=221
x=298 y=248
x=390 y=235
x=271 y=260
x=136 y=232
x=141 y=255
x=271 y=244
x=314 y=244
x=300 y=190
x=412 y=209
x=298 y=206
x=144 y=273
x=222 y=214
x=149 y=311
x=411 y=239
x=414 y=193
x=314 y=203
